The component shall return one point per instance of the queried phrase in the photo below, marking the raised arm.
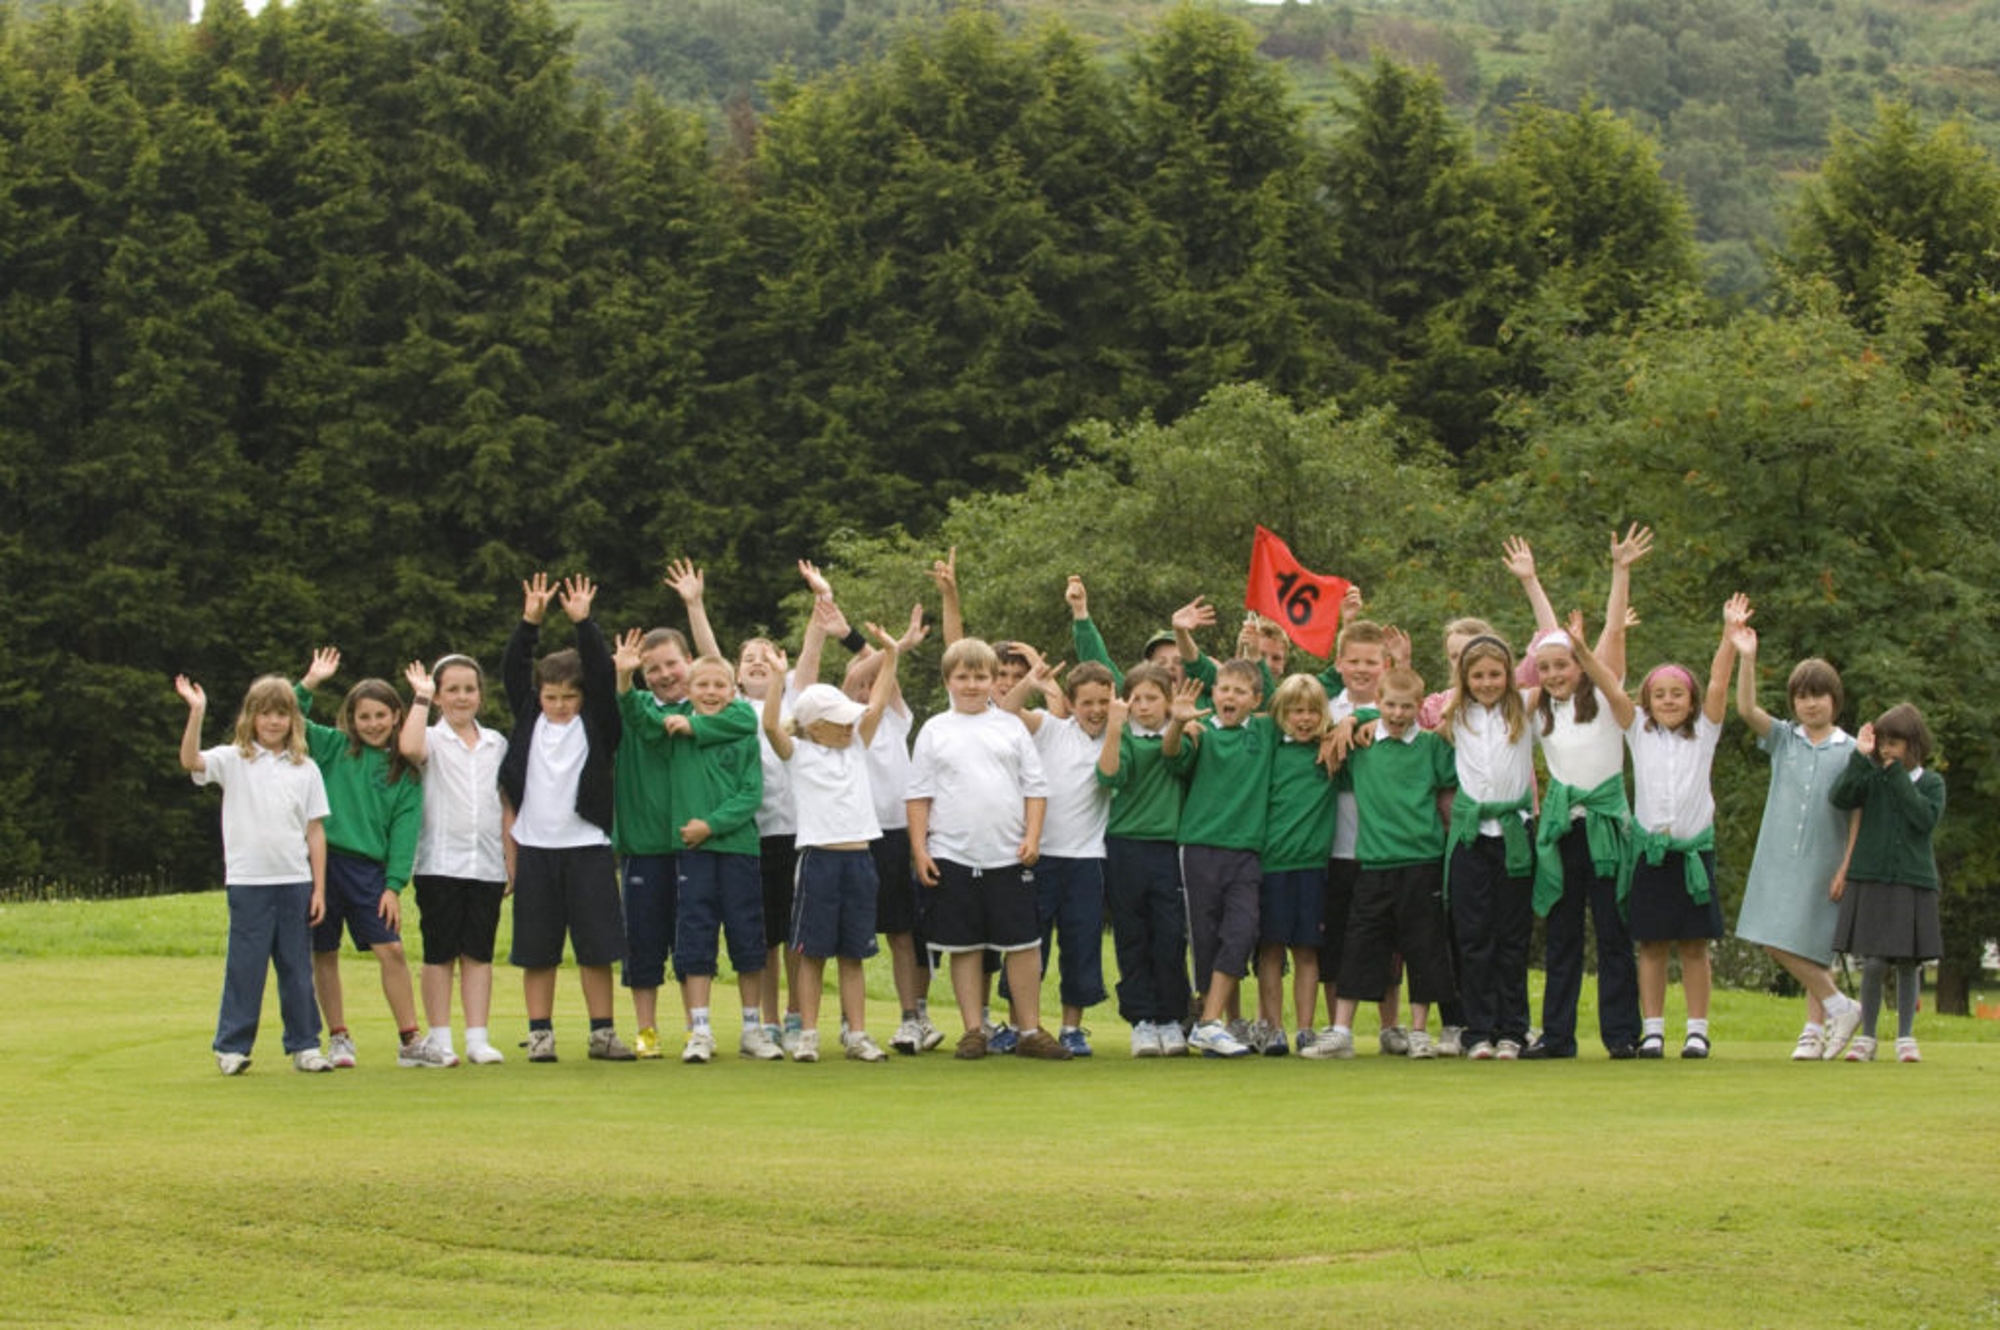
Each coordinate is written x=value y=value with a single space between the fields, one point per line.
x=827 y=621
x=1636 y=545
x=413 y=740
x=1197 y=613
x=197 y=704
x=1758 y=719
x=1184 y=711
x=686 y=580
x=773 y=718
x=944 y=572
x=1518 y=557
x=884 y=688
x=1111 y=752
x=1608 y=686
x=1040 y=678
x=1735 y=614
x=1089 y=643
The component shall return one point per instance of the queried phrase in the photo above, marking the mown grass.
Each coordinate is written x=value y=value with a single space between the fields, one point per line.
x=142 y=1188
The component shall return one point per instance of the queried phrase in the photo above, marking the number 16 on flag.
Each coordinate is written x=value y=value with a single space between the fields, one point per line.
x=1305 y=604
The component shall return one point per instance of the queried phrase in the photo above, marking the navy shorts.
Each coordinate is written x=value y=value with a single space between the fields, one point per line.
x=982 y=909
x=1292 y=906
x=354 y=888
x=1659 y=908
x=833 y=904
x=777 y=865
x=896 y=898
x=650 y=886
x=571 y=891
x=459 y=917
x=718 y=892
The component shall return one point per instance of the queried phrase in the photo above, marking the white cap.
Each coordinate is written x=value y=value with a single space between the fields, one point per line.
x=822 y=701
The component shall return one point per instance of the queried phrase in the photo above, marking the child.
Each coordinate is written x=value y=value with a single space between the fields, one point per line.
x=761 y=668
x=1889 y=901
x=1667 y=890
x=1490 y=864
x=1585 y=820
x=978 y=796
x=1142 y=871
x=1162 y=648
x=1789 y=902
x=717 y=784
x=463 y=861
x=274 y=865
x=833 y=904
x=371 y=839
x=1069 y=878
x=1298 y=839
x=557 y=777
x=1399 y=893
x=1227 y=766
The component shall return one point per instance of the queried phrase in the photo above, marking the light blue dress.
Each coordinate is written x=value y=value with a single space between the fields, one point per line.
x=1799 y=846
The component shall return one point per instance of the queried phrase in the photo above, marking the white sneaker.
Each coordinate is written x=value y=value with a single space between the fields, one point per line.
x=1451 y=1043
x=908 y=1039
x=788 y=1041
x=1811 y=1046
x=1840 y=1029
x=1481 y=1051
x=860 y=1048
x=1145 y=1040
x=1507 y=1050
x=421 y=1052
x=756 y=1043
x=232 y=1064
x=310 y=1059
x=700 y=1046
x=1862 y=1049
x=806 y=1048
x=340 y=1050
x=1421 y=1047
x=931 y=1035
x=1906 y=1049
x=1173 y=1040
x=484 y=1055
x=1334 y=1044
x=1212 y=1039
x=1394 y=1040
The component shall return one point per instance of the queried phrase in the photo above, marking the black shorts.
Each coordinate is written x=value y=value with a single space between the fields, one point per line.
x=1398 y=911
x=458 y=917
x=1340 y=875
x=896 y=890
x=982 y=909
x=571 y=891
x=778 y=860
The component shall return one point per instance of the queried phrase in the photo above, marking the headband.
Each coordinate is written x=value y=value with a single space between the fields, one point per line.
x=1554 y=637
x=1687 y=676
x=1489 y=637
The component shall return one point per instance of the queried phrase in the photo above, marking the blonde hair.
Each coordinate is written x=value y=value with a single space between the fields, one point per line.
x=1484 y=646
x=269 y=693
x=712 y=663
x=971 y=653
x=1404 y=680
x=1299 y=690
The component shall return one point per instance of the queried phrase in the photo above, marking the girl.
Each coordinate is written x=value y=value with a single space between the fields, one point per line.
x=462 y=867
x=1888 y=903
x=371 y=842
x=1298 y=841
x=1789 y=901
x=1489 y=867
x=1580 y=840
x=761 y=666
x=274 y=861
x=1668 y=885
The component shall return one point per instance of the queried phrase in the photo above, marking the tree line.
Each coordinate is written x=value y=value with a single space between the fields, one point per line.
x=322 y=327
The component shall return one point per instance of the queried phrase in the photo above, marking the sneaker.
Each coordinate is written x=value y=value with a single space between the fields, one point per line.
x=1481 y=1051
x=1906 y=1050
x=1040 y=1044
x=700 y=1046
x=1626 y=1052
x=756 y=1043
x=421 y=1052
x=1840 y=1029
x=1651 y=1047
x=789 y=1040
x=1077 y=1041
x=1421 y=1047
x=1004 y=1039
x=1213 y=1040
x=1256 y=1037
x=606 y=1046
x=1173 y=1039
x=860 y=1048
x=1394 y=1040
x=232 y=1064
x=1541 y=1052
x=1304 y=1041
x=1861 y=1049
x=972 y=1045
x=340 y=1049
x=1695 y=1046
x=806 y=1047
x=1276 y=1042
x=646 y=1044
x=932 y=1036
x=541 y=1045
x=908 y=1039
x=1507 y=1050
x=485 y=1055
x=1451 y=1043
x=1811 y=1046
x=1145 y=1040
x=1334 y=1044
x=1239 y=1030
x=310 y=1059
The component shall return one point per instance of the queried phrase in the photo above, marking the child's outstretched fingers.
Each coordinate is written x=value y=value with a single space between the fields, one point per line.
x=944 y=571
x=325 y=664
x=1864 y=740
x=917 y=631
x=190 y=691
x=1736 y=610
x=1518 y=557
x=685 y=579
x=1575 y=629
x=535 y=596
x=418 y=677
x=577 y=594
x=1636 y=545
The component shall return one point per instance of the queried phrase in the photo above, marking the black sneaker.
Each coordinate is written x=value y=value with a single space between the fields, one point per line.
x=1625 y=1052
x=1541 y=1052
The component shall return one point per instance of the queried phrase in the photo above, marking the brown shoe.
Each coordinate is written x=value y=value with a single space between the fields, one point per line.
x=971 y=1046
x=1039 y=1043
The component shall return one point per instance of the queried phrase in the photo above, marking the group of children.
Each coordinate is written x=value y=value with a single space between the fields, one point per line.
x=654 y=802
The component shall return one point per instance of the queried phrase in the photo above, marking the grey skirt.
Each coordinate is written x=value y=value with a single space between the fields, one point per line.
x=1889 y=920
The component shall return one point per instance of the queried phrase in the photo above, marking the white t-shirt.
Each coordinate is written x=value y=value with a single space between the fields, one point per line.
x=777 y=815
x=831 y=794
x=1492 y=770
x=461 y=831
x=1670 y=776
x=547 y=818
x=976 y=768
x=1078 y=805
x=1346 y=812
x=889 y=767
x=268 y=801
x=1583 y=756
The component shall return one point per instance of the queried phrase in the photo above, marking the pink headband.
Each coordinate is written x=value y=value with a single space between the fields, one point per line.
x=1687 y=677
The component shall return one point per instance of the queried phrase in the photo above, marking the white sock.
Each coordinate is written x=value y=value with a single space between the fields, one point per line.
x=1342 y=1029
x=753 y=1017
x=1697 y=1025
x=699 y=1017
x=1814 y=1029
x=1654 y=1025
x=1837 y=1004
x=475 y=1036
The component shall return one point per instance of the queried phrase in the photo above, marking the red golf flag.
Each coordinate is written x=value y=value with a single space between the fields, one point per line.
x=1305 y=604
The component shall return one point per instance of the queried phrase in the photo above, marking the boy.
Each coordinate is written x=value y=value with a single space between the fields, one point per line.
x=978 y=796
x=1398 y=904
x=557 y=779
x=1069 y=878
x=1162 y=648
x=1227 y=765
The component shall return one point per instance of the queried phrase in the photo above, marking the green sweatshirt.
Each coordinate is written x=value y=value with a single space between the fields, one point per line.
x=1089 y=645
x=1898 y=816
x=1395 y=786
x=1146 y=793
x=720 y=782
x=647 y=819
x=1298 y=829
x=370 y=818
x=1228 y=777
